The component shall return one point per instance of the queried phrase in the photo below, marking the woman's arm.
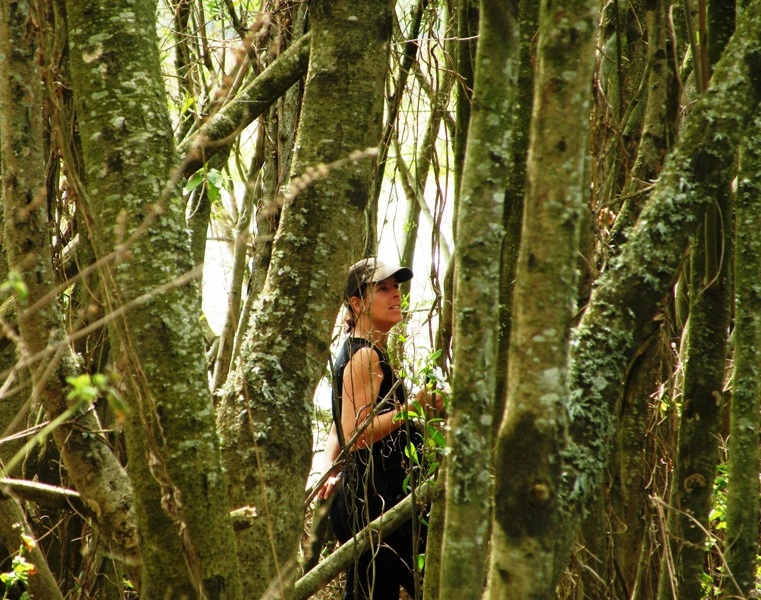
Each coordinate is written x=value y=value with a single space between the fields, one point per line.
x=362 y=380
x=329 y=456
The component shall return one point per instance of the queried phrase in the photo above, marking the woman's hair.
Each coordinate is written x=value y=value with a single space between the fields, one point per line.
x=350 y=319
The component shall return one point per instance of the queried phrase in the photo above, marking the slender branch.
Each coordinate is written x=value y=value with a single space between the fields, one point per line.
x=372 y=534
x=42 y=494
x=219 y=131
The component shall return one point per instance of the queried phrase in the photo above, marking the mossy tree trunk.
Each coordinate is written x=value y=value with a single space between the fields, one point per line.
x=522 y=98
x=42 y=344
x=745 y=413
x=630 y=470
x=627 y=298
x=704 y=368
x=702 y=399
x=631 y=474
x=524 y=562
x=137 y=222
x=479 y=240
x=266 y=426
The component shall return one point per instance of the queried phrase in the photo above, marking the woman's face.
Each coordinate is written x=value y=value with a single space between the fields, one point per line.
x=383 y=304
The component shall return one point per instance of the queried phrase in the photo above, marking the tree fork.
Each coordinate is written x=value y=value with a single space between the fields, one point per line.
x=265 y=425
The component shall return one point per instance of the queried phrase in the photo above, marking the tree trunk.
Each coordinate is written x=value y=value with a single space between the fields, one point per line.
x=745 y=416
x=632 y=466
x=137 y=222
x=704 y=367
x=466 y=14
x=659 y=126
x=93 y=468
x=515 y=190
x=620 y=316
x=524 y=561
x=479 y=240
x=266 y=428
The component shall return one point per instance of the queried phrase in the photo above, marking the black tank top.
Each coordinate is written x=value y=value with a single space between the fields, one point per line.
x=384 y=463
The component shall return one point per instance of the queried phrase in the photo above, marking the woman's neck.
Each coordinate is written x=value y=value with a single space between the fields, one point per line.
x=371 y=334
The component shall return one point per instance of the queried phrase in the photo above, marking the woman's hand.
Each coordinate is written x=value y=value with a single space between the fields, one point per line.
x=329 y=456
x=430 y=400
x=326 y=489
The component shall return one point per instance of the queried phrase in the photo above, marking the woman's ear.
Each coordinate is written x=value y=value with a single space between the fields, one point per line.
x=356 y=304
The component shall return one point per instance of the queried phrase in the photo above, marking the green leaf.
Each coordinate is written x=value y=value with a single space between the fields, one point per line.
x=437 y=437
x=195 y=180
x=215 y=178
x=411 y=452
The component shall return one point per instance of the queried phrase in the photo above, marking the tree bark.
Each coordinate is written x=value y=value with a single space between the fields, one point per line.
x=704 y=367
x=515 y=189
x=620 y=316
x=479 y=240
x=745 y=412
x=659 y=126
x=702 y=399
x=266 y=426
x=92 y=466
x=525 y=562
x=137 y=222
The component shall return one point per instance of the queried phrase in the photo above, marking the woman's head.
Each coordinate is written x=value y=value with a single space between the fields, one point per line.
x=372 y=294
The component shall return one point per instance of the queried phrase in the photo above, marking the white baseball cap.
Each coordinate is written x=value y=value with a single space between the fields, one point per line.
x=372 y=270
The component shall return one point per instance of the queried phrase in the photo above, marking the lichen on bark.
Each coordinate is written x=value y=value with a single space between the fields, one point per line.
x=91 y=465
x=527 y=511
x=479 y=240
x=622 y=308
x=266 y=422
x=744 y=421
x=136 y=221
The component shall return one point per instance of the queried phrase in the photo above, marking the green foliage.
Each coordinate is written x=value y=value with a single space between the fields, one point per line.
x=718 y=515
x=15 y=286
x=21 y=569
x=215 y=8
x=85 y=389
x=712 y=579
x=425 y=457
x=213 y=179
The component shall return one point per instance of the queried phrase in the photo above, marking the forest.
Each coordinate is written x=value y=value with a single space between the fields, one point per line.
x=184 y=186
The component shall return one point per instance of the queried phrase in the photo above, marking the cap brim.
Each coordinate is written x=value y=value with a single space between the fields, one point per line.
x=401 y=274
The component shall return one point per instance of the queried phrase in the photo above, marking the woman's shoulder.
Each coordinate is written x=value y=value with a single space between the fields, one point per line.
x=363 y=346
x=366 y=354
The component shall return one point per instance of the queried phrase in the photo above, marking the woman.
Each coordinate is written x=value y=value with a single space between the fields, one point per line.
x=368 y=401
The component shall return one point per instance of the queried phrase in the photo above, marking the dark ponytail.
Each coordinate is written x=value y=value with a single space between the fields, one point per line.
x=350 y=319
